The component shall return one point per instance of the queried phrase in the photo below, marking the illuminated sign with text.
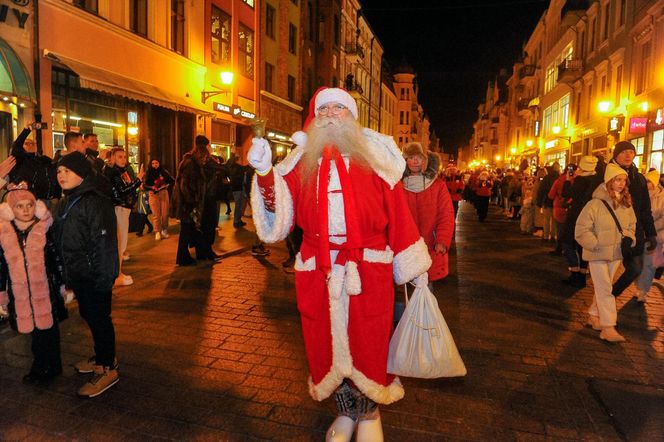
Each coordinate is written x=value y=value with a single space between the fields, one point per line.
x=638 y=125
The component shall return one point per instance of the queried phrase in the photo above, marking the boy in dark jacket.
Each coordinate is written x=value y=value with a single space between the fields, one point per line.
x=85 y=235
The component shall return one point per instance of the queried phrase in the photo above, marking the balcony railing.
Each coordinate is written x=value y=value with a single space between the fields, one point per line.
x=527 y=71
x=570 y=70
x=353 y=49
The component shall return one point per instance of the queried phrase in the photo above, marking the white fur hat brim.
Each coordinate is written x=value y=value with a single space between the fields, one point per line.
x=336 y=95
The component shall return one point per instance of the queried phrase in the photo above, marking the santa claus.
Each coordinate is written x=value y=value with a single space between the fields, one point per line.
x=341 y=185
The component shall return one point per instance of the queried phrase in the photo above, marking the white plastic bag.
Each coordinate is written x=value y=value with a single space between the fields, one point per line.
x=422 y=345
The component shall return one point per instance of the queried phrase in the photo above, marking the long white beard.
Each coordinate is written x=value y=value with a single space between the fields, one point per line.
x=343 y=134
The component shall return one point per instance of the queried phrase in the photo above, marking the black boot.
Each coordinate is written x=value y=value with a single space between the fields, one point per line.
x=571 y=279
x=580 y=281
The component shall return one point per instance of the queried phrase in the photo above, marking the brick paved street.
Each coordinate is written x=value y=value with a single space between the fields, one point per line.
x=215 y=353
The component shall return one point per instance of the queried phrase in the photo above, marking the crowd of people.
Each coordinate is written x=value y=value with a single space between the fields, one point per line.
x=64 y=230
x=598 y=215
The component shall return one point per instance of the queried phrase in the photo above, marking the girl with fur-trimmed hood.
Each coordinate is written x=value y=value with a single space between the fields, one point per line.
x=30 y=279
x=430 y=204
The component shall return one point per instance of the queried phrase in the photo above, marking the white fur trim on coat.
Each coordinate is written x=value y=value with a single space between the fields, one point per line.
x=272 y=227
x=389 y=163
x=353 y=282
x=411 y=262
x=304 y=266
x=383 y=256
x=291 y=160
x=342 y=361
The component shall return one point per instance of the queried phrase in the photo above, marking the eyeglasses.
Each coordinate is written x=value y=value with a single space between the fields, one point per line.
x=333 y=109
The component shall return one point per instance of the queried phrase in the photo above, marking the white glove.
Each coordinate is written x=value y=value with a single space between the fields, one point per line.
x=260 y=155
x=4 y=313
x=422 y=280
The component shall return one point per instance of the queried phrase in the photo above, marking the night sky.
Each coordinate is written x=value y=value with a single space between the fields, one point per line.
x=455 y=46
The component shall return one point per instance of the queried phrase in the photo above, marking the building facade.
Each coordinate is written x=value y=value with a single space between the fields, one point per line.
x=281 y=79
x=591 y=75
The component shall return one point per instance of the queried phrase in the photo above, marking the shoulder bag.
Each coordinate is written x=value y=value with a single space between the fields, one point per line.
x=625 y=241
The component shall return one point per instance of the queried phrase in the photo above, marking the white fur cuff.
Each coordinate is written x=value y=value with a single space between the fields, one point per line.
x=411 y=262
x=272 y=227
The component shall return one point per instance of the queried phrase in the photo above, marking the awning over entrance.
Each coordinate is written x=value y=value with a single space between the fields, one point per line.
x=14 y=77
x=92 y=77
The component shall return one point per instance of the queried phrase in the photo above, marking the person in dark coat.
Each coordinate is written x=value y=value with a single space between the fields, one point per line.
x=579 y=192
x=38 y=171
x=123 y=194
x=546 y=204
x=157 y=182
x=84 y=231
x=646 y=234
x=240 y=188
x=189 y=203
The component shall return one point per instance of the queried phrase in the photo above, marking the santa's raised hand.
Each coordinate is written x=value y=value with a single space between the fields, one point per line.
x=260 y=155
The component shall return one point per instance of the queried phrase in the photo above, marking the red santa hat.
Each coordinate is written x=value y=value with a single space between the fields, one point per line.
x=322 y=96
x=335 y=95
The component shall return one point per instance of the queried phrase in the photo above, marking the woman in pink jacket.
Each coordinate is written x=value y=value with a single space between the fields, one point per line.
x=431 y=206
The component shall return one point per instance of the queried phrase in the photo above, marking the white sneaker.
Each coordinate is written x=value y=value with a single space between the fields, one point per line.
x=164 y=234
x=157 y=236
x=593 y=321
x=370 y=431
x=341 y=430
x=641 y=296
x=123 y=280
x=610 y=334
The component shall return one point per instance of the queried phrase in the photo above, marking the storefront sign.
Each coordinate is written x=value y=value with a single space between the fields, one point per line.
x=638 y=125
x=237 y=111
x=276 y=136
x=220 y=107
x=659 y=118
x=17 y=17
x=616 y=124
x=537 y=128
x=551 y=144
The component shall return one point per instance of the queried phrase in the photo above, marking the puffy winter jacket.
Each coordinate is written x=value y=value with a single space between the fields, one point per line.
x=123 y=191
x=37 y=170
x=596 y=231
x=85 y=235
x=560 y=203
x=455 y=186
x=657 y=207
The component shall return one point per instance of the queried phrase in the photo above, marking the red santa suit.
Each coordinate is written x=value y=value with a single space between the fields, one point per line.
x=362 y=235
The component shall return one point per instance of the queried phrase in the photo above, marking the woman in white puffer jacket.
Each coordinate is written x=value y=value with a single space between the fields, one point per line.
x=597 y=233
x=656 y=259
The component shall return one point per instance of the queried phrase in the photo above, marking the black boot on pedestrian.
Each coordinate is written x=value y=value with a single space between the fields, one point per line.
x=570 y=280
x=658 y=272
x=579 y=281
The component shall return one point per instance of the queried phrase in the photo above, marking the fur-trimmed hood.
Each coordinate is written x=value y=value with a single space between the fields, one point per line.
x=433 y=166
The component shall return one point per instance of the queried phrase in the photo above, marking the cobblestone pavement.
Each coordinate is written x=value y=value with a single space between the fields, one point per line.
x=215 y=353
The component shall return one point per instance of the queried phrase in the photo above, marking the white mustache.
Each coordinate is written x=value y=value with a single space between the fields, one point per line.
x=327 y=120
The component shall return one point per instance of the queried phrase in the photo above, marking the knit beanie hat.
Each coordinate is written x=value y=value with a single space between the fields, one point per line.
x=18 y=192
x=653 y=177
x=612 y=171
x=622 y=146
x=77 y=163
x=588 y=163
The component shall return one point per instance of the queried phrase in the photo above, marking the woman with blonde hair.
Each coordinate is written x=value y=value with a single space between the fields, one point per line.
x=600 y=229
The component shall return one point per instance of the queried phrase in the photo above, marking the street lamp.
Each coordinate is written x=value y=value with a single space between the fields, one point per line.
x=604 y=106
x=513 y=150
x=529 y=143
x=498 y=157
x=226 y=81
x=556 y=130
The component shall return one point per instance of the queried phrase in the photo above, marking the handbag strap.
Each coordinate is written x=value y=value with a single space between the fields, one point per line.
x=615 y=218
